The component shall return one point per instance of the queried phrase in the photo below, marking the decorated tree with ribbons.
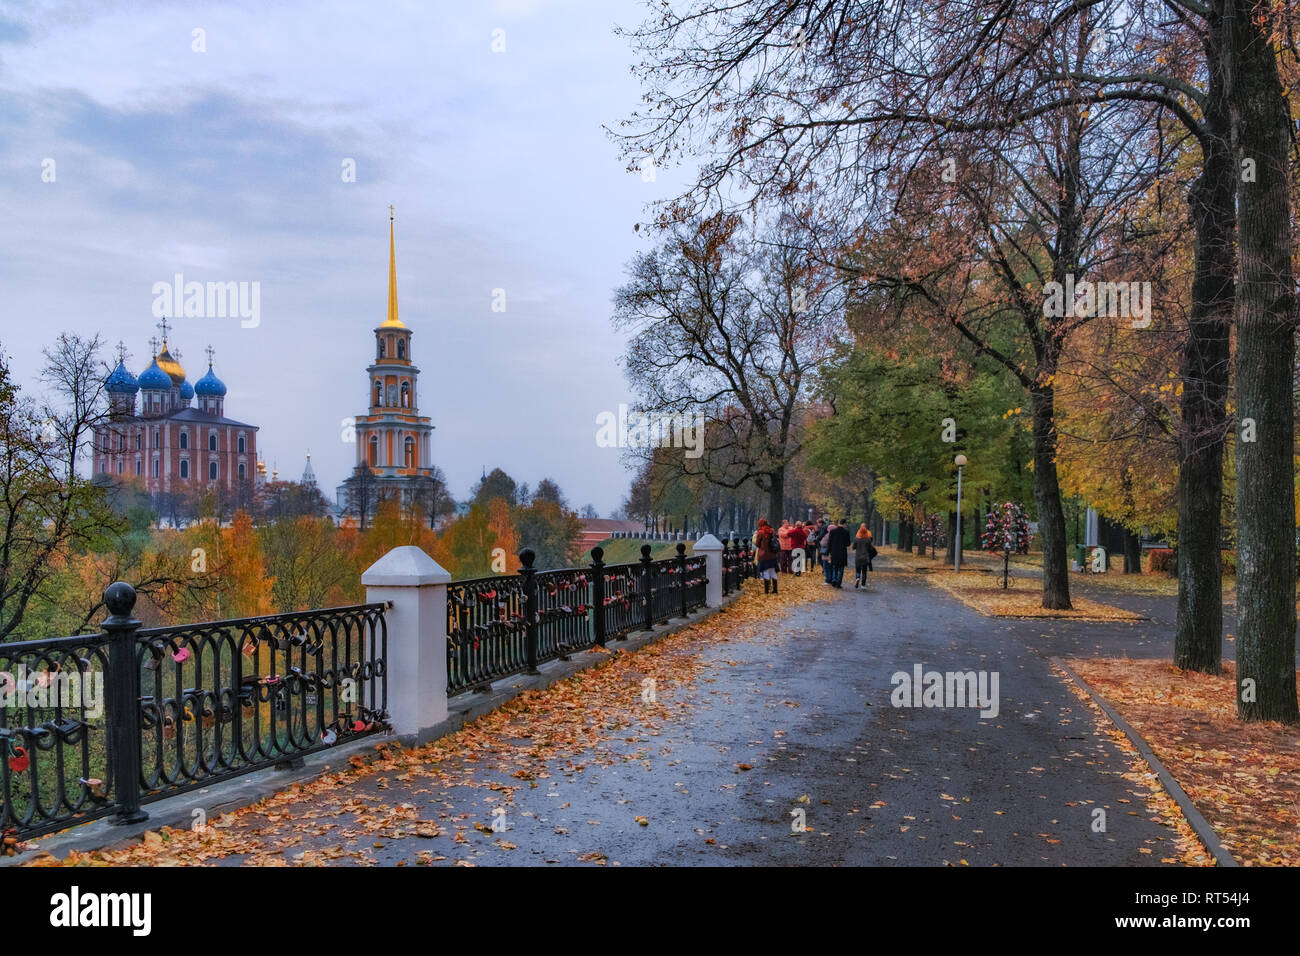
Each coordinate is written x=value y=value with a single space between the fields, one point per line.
x=1007 y=531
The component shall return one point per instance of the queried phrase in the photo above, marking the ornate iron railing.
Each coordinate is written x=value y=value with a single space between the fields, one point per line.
x=538 y=616
x=622 y=600
x=102 y=723
x=564 y=612
x=695 y=579
x=220 y=699
x=663 y=589
x=55 y=762
x=486 y=637
x=737 y=564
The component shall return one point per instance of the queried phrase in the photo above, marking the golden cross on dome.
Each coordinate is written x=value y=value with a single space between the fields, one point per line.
x=153 y=345
x=390 y=212
x=121 y=351
x=209 y=353
x=164 y=327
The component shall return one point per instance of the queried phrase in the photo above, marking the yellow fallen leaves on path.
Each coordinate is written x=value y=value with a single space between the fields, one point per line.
x=1243 y=777
x=1022 y=599
x=590 y=718
x=1146 y=784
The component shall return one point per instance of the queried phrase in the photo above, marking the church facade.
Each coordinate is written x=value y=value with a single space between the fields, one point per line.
x=172 y=435
x=394 y=441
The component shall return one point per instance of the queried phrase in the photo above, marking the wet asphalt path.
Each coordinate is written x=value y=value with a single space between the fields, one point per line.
x=807 y=708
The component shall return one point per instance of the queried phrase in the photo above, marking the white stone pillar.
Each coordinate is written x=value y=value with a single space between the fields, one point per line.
x=417 y=635
x=711 y=548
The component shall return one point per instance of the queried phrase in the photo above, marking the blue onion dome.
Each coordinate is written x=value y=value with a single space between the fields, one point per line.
x=154 y=378
x=210 y=385
x=187 y=392
x=120 y=381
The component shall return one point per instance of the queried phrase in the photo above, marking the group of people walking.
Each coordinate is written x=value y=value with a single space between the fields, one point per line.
x=791 y=548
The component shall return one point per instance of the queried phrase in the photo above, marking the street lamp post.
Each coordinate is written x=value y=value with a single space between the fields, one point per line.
x=959 y=461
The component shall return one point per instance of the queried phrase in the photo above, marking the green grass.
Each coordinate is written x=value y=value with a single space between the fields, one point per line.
x=627 y=550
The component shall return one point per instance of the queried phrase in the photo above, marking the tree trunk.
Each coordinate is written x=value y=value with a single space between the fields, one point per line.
x=1198 y=638
x=1265 y=358
x=776 y=497
x=1132 y=553
x=1042 y=396
x=1047 y=495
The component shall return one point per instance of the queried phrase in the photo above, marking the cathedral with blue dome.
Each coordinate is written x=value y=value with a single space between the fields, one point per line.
x=172 y=435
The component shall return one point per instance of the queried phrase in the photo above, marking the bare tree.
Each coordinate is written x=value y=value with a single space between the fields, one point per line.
x=46 y=508
x=362 y=493
x=724 y=328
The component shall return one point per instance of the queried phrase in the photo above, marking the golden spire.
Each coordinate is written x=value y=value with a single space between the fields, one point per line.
x=392 y=322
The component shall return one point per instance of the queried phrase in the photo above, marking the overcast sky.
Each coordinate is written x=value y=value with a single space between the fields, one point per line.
x=227 y=165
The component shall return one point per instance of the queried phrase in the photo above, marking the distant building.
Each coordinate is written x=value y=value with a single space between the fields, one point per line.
x=394 y=441
x=596 y=530
x=157 y=433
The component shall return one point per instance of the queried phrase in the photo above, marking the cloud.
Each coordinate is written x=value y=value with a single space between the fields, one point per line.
x=226 y=165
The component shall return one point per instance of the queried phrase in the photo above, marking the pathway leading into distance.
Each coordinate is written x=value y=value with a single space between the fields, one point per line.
x=806 y=707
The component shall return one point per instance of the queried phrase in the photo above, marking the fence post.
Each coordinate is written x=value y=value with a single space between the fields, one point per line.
x=598 y=594
x=714 y=568
x=414 y=587
x=681 y=575
x=526 y=559
x=647 y=588
x=123 y=703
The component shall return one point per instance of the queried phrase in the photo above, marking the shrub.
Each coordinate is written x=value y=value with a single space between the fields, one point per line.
x=1160 y=560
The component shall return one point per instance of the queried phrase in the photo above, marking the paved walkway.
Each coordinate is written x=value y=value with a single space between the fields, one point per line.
x=788 y=715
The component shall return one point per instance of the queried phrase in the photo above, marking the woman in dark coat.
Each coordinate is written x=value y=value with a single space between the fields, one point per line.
x=861 y=556
x=839 y=552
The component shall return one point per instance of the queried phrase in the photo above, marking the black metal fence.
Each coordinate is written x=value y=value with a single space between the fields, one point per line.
x=509 y=624
x=101 y=724
x=737 y=564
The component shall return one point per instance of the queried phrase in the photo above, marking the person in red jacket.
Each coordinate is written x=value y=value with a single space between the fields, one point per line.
x=798 y=542
x=783 y=538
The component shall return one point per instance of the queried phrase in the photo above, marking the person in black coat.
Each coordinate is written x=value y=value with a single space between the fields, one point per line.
x=839 y=541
